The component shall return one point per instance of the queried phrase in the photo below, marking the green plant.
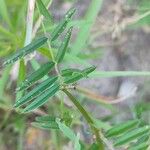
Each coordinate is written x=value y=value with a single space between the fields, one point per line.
x=44 y=87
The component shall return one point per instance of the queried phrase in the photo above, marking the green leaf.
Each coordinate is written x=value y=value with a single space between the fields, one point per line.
x=42 y=99
x=45 y=52
x=94 y=146
x=84 y=31
x=46 y=126
x=78 y=75
x=62 y=25
x=35 y=76
x=46 y=118
x=141 y=146
x=3 y=80
x=66 y=130
x=70 y=71
x=132 y=135
x=36 y=91
x=21 y=76
x=77 y=145
x=100 y=124
x=4 y=12
x=110 y=74
x=46 y=122
x=62 y=49
x=26 y=50
x=43 y=9
x=121 y=128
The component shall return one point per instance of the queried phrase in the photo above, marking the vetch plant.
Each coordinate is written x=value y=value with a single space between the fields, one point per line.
x=62 y=80
x=40 y=90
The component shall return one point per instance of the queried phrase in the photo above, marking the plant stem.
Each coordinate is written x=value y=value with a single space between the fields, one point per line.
x=87 y=118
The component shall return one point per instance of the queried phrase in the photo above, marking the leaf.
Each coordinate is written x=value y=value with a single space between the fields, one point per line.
x=62 y=25
x=77 y=145
x=121 y=128
x=94 y=146
x=70 y=71
x=66 y=130
x=21 y=76
x=130 y=136
x=45 y=118
x=77 y=76
x=110 y=74
x=84 y=31
x=62 y=49
x=89 y=70
x=42 y=99
x=43 y=9
x=45 y=52
x=36 y=91
x=46 y=122
x=141 y=146
x=100 y=124
x=47 y=126
x=4 y=12
x=26 y=50
x=3 y=80
x=38 y=74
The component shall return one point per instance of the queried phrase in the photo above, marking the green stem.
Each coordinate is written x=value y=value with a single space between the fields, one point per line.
x=86 y=116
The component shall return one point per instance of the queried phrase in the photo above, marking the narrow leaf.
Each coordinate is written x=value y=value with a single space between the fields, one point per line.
x=121 y=128
x=21 y=76
x=66 y=130
x=35 y=76
x=36 y=91
x=69 y=72
x=130 y=136
x=45 y=118
x=42 y=99
x=43 y=9
x=78 y=75
x=62 y=49
x=26 y=50
x=86 y=27
x=46 y=126
x=142 y=146
x=61 y=27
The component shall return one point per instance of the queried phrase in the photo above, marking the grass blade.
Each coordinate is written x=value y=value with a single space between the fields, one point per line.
x=4 y=12
x=109 y=74
x=84 y=31
x=35 y=76
x=36 y=91
x=42 y=99
x=62 y=25
x=26 y=50
x=62 y=50
x=43 y=10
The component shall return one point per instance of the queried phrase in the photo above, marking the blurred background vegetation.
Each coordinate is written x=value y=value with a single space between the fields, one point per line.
x=113 y=35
